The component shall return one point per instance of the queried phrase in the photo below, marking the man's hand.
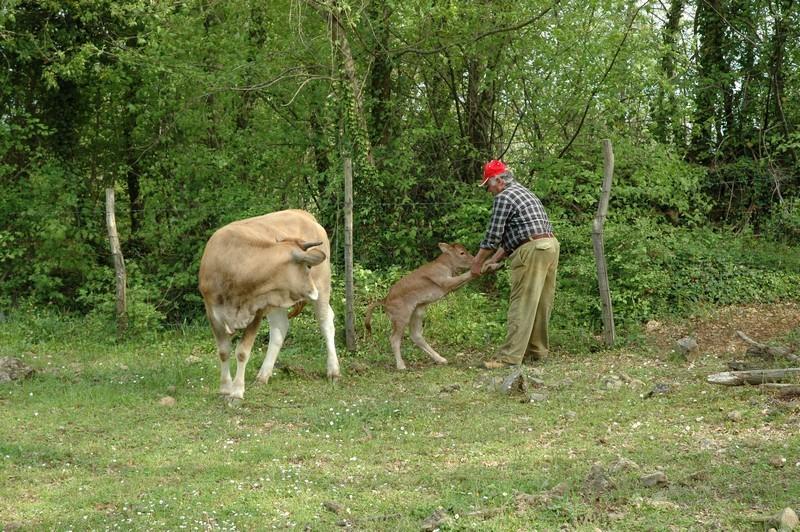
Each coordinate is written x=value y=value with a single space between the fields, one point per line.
x=491 y=267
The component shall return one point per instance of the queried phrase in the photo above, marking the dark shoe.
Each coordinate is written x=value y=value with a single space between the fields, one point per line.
x=496 y=364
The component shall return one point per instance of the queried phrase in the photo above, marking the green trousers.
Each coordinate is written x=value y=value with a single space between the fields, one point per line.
x=533 y=287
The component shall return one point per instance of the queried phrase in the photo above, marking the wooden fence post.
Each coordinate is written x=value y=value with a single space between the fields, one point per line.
x=609 y=335
x=119 y=263
x=350 y=331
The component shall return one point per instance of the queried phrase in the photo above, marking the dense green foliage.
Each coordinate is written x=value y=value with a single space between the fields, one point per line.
x=199 y=113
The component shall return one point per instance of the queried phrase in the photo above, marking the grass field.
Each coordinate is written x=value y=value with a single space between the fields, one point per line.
x=86 y=444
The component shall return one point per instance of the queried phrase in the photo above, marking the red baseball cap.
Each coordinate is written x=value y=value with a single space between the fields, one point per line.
x=491 y=169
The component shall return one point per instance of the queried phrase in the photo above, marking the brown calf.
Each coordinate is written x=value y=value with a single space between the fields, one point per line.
x=407 y=299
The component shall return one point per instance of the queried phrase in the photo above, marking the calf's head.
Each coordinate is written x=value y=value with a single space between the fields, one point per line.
x=456 y=255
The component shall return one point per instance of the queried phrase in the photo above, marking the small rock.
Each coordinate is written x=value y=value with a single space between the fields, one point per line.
x=450 y=388
x=193 y=359
x=536 y=398
x=652 y=325
x=777 y=462
x=514 y=381
x=735 y=415
x=12 y=369
x=171 y=388
x=659 y=389
x=435 y=520
x=653 y=480
x=786 y=520
x=687 y=345
x=597 y=481
x=167 y=401
x=612 y=383
x=333 y=506
x=623 y=464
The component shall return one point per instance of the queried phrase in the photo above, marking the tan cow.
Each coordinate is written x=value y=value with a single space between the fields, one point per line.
x=408 y=298
x=260 y=267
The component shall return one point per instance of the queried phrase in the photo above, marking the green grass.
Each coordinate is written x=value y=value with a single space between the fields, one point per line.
x=85 y=444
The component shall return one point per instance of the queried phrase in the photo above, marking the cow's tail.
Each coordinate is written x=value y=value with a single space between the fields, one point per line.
x=296 y=309
x=368 y=315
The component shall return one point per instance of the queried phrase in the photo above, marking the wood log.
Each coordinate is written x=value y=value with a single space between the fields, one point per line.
x=764 y=350
x=755 y=376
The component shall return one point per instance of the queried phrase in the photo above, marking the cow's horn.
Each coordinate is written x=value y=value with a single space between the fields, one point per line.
x=312 y=258
x=305 y=245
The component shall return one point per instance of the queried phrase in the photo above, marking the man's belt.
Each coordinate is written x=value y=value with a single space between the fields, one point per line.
x=541 y=235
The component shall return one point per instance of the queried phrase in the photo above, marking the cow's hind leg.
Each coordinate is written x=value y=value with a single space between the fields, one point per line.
x=278 y=327
x=415 y=328
x=325 y=318
x=223 y=340
x=243 y=355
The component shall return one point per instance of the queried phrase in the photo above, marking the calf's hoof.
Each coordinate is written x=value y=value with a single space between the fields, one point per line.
x=262 y=378
x=440 y=360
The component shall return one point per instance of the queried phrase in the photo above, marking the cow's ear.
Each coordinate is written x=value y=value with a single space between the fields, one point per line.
x=310 y=258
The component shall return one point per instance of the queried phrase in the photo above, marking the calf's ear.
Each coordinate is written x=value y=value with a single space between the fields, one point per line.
x=311 y=258
x=444 y=247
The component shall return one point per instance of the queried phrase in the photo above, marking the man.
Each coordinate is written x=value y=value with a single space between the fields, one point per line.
x=519 y=228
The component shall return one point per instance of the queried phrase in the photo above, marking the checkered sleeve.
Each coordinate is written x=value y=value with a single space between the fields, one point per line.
x=501 y=209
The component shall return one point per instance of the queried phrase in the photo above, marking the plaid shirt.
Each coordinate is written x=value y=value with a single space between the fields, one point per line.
x=516 y=215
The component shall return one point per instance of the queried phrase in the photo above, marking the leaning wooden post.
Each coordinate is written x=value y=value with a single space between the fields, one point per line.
x=119 y=263
x=597 y=239
x=350 y=331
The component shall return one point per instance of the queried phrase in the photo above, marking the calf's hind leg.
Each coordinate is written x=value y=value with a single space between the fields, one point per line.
x=415 y=329
x=398 y=328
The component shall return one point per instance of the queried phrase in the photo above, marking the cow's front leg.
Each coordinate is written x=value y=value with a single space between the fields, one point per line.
x=325 y=318
x=278 y=327
x=243 y=355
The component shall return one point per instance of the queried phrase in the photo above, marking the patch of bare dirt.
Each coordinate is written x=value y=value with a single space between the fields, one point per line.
x=715 y=332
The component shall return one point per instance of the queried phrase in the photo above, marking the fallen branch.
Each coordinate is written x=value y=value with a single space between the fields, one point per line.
x=764 y=350
x=755 y=376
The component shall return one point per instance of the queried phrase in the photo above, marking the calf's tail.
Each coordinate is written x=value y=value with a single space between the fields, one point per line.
x=368 y=316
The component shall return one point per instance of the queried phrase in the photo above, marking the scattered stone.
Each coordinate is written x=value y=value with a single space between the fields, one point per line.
x=514 y=382
x=598 y=481
x=450 y=388
x=786 y=520
x=659 y=389
x=535 y=398
x=12 y=369
x=612 y=383
x=355 y=367
x=167 y=401
x=525 y=501
x=777 y=462
x=435 y=520
x=686 y=346
x=735 y=415
x=623 y=464
x=652 y=325
x=193 y=359
x=333 y=506
x=653 y=480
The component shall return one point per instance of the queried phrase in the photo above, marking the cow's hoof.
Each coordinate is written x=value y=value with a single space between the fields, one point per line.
x=262 y=379
x=333 y=377
x=401 y=367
